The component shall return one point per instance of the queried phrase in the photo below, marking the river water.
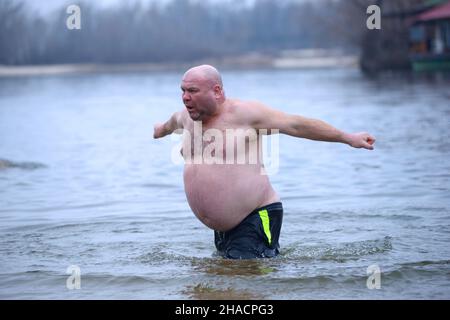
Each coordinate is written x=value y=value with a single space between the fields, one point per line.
x=83 y=186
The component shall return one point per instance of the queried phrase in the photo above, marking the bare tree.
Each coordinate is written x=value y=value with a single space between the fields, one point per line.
x=13 y=44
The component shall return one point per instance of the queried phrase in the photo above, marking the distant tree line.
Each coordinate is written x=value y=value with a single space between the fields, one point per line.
x=188 y=30
x=179 y=31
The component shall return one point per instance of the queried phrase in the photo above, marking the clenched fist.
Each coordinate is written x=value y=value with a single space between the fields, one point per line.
x=361 y=140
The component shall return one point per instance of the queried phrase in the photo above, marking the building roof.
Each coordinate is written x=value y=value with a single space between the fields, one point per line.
x=439 y=12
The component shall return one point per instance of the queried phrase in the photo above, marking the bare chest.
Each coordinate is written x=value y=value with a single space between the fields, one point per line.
x=220 y=142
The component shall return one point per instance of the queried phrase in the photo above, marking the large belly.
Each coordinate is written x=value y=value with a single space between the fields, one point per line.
x=221 y=196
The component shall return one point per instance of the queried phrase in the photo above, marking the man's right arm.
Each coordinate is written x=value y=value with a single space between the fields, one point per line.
x=175 y=122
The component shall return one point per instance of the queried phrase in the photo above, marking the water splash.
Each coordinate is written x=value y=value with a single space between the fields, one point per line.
x=341 y=252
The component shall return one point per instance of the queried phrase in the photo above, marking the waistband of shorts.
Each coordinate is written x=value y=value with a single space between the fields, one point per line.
x=275 y=206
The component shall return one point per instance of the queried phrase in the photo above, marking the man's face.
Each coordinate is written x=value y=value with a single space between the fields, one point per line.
x=198 y=97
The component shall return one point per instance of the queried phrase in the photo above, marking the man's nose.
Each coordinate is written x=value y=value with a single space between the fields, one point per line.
x=186 y=96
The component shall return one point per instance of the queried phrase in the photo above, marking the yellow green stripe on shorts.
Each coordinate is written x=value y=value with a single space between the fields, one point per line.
x=264 y=215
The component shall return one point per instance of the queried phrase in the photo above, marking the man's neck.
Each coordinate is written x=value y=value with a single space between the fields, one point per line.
x=216 y=114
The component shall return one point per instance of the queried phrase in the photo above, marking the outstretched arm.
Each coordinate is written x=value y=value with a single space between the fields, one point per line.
x=264 y=117
x=162 y=130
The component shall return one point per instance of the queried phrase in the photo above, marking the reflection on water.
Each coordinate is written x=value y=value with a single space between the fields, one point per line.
x=203 y=291
x=226 y=267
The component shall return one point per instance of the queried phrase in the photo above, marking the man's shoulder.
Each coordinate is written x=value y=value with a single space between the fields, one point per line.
x=244 y=106
x=183 y=117
x=243 y=103
x=245 y=112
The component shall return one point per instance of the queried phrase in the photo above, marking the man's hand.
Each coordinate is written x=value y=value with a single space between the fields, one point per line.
x=158 y=131
x=361 y=140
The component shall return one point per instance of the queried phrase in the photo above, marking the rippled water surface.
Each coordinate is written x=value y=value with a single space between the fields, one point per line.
x=83 y=183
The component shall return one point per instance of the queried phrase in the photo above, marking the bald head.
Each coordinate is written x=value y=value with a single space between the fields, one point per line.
x=204 y=73
x=203 y=93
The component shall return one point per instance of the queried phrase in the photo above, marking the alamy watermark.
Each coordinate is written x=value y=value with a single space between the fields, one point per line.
x=73 y=21
x=229 y=146
x=74 y=280
x=374 y=279
x=374 y=20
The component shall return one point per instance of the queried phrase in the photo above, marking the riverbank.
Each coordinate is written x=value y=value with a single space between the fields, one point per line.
x=303 y=59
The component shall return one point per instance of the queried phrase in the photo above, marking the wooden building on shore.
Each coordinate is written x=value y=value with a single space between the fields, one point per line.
x=430 y=39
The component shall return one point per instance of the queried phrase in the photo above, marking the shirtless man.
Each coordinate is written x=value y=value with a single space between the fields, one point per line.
x=236 y=200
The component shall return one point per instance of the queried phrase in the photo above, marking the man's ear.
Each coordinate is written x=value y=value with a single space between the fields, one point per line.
x=217 y=91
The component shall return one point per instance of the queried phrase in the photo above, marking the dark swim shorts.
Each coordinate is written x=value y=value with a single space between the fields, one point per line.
x=255 y=237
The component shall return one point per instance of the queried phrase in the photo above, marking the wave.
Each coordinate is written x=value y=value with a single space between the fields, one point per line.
x=7 y=164
x=424 y=263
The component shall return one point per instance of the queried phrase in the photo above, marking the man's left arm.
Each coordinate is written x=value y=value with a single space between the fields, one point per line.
x=263 y=117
